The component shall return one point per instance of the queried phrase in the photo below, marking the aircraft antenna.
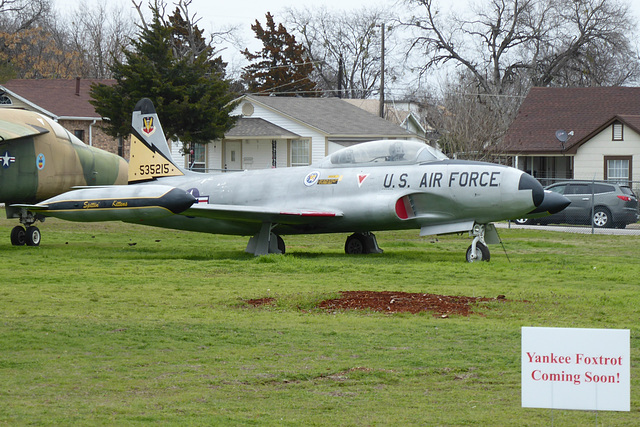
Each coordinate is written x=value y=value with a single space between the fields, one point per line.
x=505 y=251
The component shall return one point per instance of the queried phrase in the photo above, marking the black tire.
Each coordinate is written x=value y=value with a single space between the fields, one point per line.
x=33 y=236
x=355 y=244
x=523 y=221
x=602 y=218
x=18 y=236
x=482 y=253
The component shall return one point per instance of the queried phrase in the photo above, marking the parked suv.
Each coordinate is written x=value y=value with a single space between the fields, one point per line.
x=613 y=205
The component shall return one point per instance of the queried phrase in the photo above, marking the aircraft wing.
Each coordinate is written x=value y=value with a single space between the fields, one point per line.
x=11 y=130
x=259 y=214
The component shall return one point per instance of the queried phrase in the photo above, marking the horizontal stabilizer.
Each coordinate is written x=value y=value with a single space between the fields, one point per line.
x=11 y=130
x=33 y=208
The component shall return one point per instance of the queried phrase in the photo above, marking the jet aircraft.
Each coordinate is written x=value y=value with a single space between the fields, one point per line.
x=39 y=159
x=373 y=186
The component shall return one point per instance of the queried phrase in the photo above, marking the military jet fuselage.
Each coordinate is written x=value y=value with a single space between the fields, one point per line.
x=40 y=159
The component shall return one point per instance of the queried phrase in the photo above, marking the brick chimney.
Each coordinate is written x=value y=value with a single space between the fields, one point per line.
x=77 y=86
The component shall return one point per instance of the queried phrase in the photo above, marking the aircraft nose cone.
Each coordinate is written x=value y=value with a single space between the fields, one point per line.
x=552 y=203
x=527 y=182
x=178 y=200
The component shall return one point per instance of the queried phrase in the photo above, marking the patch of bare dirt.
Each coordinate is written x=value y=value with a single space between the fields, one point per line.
x=399 y=302
x=257 y=302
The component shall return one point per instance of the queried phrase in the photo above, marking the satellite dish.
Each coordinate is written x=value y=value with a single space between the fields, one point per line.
x=562 y=135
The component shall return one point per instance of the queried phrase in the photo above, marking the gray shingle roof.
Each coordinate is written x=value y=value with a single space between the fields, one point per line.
x=257 y=128
x=331 y=116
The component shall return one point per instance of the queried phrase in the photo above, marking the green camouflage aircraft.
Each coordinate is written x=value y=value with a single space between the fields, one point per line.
x=40 y=159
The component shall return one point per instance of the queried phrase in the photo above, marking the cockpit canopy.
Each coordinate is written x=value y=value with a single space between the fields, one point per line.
x=384 y=152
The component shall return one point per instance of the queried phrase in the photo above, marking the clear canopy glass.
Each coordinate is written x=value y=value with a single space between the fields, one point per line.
x=384 y=152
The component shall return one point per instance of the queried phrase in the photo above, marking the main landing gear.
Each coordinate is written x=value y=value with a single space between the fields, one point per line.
x=362 y=243
x=483 y=234
x=27 y=233
x=266 y=242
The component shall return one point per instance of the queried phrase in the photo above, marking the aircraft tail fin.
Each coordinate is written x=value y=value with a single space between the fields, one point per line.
x=150 y=156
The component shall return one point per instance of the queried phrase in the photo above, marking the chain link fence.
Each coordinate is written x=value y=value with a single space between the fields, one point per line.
x=597 y=207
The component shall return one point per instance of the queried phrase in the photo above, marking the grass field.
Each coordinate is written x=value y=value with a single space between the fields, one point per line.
x=97 y=330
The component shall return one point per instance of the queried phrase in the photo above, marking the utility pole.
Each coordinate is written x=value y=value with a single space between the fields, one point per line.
x=340 y=66
x=382 y=72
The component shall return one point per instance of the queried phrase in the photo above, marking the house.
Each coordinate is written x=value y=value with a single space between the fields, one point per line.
x=271 y=131
x=67 y=102
x=288 y=131
x=601 y=138
x=404 y=114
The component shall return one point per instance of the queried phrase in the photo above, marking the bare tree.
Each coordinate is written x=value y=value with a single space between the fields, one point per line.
x=505 y=47
x=462 y=121
x=189 y=40
x=345 y=47
x=18 y=15
x=99 y=34
x=30 y=44
x=539 y=42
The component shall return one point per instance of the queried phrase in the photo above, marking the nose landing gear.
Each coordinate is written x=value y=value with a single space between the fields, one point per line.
x=484 y=234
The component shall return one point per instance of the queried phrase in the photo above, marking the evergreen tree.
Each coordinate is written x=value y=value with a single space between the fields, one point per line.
x=187 y=86
x=282 y=67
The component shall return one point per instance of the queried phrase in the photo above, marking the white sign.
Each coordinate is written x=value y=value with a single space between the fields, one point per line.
x=585 y=369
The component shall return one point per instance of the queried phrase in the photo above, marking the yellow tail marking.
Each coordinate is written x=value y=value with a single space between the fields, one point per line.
x=146 y=164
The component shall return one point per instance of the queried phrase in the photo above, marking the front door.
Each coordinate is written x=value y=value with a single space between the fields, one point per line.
x=233 y=155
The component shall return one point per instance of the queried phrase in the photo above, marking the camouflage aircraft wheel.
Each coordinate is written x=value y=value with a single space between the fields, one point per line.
x=482 y=253
x=18 y=236
x=32 y=236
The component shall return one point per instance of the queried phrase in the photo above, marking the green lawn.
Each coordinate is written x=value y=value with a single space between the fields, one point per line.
x=97 y=330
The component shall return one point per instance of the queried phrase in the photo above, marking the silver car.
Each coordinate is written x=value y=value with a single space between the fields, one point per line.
x=607 y=204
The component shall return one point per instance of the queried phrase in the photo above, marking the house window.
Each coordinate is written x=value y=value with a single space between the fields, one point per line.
x=617 y=169
x=120 y=146
x=5 y=100
x=79 y=133
x=197 y=157
x=300 y=152
x=617 y=132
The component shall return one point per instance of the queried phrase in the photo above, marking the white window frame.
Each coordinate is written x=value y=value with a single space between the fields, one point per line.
x=617 y=132
x=198 y=161
x=300 y=152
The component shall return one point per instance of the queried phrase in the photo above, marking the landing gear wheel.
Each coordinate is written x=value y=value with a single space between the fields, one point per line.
x=18 y=236
x=482 y=253
x=33 y=236
x=281 y=245
x=355 y=244
x=602 y=218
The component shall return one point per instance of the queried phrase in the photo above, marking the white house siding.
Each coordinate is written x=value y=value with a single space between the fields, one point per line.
x=214 y=156
x=589 y=159
x=256 y=154
x=317 y=149
x=176 y=153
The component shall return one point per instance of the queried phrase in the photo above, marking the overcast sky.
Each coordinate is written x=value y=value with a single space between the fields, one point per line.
x=217 y=14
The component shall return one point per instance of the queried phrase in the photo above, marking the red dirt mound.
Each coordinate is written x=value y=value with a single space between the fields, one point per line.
x=397 y=302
